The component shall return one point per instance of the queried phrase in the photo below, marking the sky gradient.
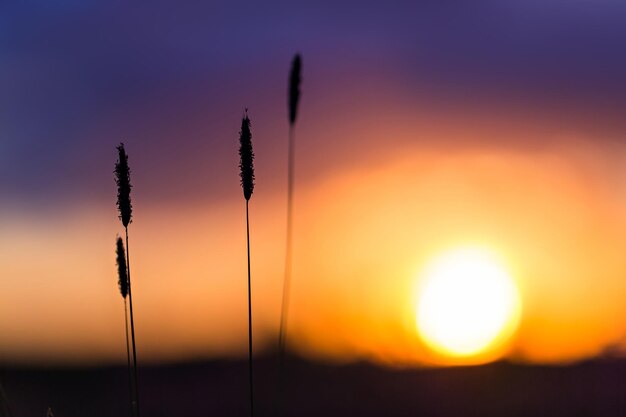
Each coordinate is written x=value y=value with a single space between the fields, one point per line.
x=422 y=127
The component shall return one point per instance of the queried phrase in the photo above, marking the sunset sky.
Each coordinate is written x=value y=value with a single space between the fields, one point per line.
x=423 y=127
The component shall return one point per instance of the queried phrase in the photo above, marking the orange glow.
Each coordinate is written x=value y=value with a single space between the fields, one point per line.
x=468 y=305
x=362 y=235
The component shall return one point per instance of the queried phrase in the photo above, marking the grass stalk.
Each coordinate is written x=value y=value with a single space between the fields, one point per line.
x=132 y=331
x=122 y=282
x=282 y=334
x=249 y=316
x=293 y=100
x=246 y=165
x=130 y=374
x=122 y=179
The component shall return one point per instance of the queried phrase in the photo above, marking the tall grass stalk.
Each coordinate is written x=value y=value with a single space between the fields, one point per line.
x=294 y=98
x=124 y=206
x=122 y=283
x=246 y=165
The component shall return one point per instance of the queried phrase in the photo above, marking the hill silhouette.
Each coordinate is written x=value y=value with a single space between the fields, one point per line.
x=220 y=387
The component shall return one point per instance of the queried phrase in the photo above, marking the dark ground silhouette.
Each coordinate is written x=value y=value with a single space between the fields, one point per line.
x=220 y=388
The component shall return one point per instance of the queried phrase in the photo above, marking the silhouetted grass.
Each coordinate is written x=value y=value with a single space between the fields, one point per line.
x=246 y=165
x=122 y=283
x=294 y=98
x=122 y=179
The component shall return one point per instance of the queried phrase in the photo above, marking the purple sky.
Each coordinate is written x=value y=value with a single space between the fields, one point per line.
x=171 y=80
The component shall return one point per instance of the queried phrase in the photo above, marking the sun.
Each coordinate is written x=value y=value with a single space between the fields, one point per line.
x=468 y=304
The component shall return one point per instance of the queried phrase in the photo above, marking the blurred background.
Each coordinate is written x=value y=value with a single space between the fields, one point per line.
x=423 y=127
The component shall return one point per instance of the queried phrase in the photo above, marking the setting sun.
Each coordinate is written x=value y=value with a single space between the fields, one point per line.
x=467 y=304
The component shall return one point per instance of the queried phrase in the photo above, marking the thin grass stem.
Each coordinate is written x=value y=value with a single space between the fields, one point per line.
x=249 y=317
x=132 y=328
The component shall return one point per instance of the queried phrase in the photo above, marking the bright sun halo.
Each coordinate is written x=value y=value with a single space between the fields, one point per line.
x=467 y=303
